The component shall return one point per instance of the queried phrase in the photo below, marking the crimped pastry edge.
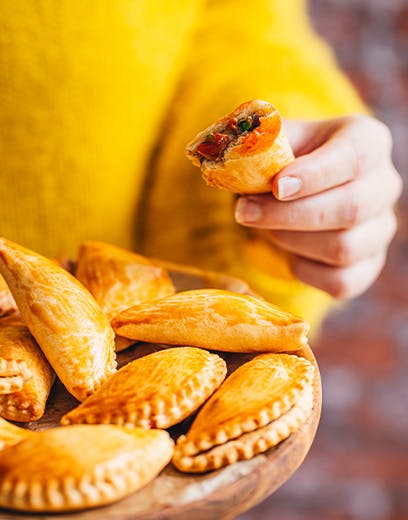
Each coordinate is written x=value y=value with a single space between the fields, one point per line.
x=109 y=482
x=248 y=444
x=206 y=441
x=153 y=414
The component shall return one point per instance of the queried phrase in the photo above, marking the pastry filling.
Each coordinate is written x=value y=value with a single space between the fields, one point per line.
x=216 y=143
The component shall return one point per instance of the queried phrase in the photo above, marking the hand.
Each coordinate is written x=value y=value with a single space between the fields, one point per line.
x=332 y=207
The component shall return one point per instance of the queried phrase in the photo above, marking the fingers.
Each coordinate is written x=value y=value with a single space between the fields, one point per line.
x=352 y=147
x=343 y=207
x=340 y=248
x=339 y=282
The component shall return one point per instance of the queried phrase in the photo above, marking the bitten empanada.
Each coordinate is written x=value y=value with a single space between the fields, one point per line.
x=79 y=467
x=11 y=434
x=243 y=150
x=61 y=314
x=216 y=320
x=22 y=359
x=256 y=407
x=119 y=279
x=154 y=391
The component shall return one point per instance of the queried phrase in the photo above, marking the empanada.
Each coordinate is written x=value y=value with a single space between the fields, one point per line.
x=256 y=407
x=11 y=434
x=118 y=279
x=214 y=319
x=248 y=444
x=23 y=360
x=154 y=391
x=243 y=150
x=63 y=317
x=78 y=467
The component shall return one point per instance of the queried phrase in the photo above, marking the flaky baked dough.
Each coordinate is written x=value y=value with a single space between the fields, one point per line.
x=216 y=320
x=249 y=164
x=154 y=391
x=257 y=393
x=7 y=303
x=78 y=467
x=61 y=314
x=249 y=444
x=118 y=279
x=11 y=434
x=23 y=360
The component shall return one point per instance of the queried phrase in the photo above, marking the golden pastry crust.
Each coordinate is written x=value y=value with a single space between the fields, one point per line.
x=248 y=444
x=7 y=303
x=78 y=467
x=13 y=373
x=256 y=394
x=154 y=391
x=216 y=320
x=118 y=279
x=25 y=401
x=250 y=161
x=11 y=434
x=69 y=326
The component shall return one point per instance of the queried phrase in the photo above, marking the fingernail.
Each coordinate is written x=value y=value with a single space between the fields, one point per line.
x=247 y=211
x=288 y=186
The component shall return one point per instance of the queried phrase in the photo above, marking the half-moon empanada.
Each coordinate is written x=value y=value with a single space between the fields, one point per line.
x=23 y=360
x=241 y=418
x=78 y=467
x=243 y=150
x=63 y=317
x=216 y=320
x=154 y=391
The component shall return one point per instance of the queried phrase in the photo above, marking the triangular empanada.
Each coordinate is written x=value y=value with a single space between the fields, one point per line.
x=251 y=400
x=154 y=391
x=214 y=319
x=69 y=326
x=26 y=366
x=78 y=467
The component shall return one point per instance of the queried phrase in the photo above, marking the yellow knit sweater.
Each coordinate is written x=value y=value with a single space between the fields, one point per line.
x=99 y=97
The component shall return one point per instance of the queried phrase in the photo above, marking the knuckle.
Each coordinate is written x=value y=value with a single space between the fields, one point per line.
x=392 y=226
x=340 y=251
x=398 y=184
x=340 y=286
x=378 y=129
x=351 y=212
x=383 y=132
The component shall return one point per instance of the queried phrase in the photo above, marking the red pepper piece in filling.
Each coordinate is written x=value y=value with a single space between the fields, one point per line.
x=214 y=146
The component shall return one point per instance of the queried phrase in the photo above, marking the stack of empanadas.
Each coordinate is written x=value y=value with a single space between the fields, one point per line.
x=110 y=444
x=257 y=407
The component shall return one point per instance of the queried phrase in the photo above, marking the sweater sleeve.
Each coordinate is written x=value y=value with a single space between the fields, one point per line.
x=241 y=50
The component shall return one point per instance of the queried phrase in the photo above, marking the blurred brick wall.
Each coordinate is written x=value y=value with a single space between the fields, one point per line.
x=358 y=466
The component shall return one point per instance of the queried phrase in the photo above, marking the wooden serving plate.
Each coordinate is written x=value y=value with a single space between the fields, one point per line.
x=218 y=495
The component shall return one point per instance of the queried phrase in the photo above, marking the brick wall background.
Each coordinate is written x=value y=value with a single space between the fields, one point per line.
x=358 y=466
